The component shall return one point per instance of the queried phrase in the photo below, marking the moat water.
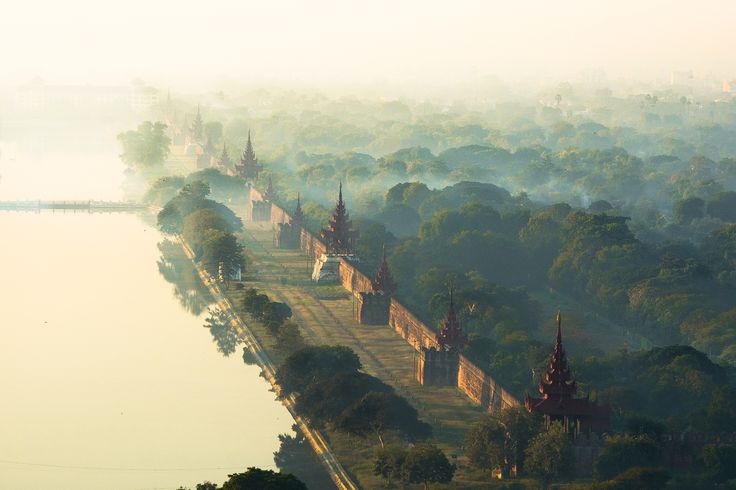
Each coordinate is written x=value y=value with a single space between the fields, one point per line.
x=109 y=379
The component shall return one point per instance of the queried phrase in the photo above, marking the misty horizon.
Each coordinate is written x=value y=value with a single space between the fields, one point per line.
x=331 y=44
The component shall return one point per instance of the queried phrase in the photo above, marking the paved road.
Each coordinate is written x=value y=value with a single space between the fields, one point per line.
x=338 y=474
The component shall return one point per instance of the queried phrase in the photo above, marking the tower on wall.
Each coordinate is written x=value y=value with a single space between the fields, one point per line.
x=261 y=209
x=289 y=235
x=373 y=306
x=249 y=168
x=339 y=238
x=439 y=366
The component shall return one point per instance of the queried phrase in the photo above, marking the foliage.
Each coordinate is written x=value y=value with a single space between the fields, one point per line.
x=296 y=456
x=325 y=401
x=377 y=412
x=623 y=452
x=313 y=364
x=262 y=480
x=637 y=478
x=549 y=455
x=223 y=333
x=673 y=384
x=720 y=461
x=501 y=441
x=426 y=463
x=217 y=248
x=388 y=462
x=289 y=337
x=145 y=147
x=162 y=190
x=193 y=197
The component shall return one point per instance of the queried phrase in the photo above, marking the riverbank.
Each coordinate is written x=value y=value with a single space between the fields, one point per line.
x=340 y=477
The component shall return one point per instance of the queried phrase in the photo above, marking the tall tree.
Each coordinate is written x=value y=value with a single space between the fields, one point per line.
x=426 y=463
x=550 y=456
x=145 y=147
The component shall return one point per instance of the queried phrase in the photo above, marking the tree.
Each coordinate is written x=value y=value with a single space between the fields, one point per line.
x=485 y=443
x=256 y=478
x=723 y=206
x=378 y=412
x=274 y=314
x=689 y=209
x=197 y=223
x=313 y=364
x=637 y=478
x=222 y=331
x=325 y=401
x=388 y=462
x=720 y=461
x=219 y=247
x=426 y=463
x=721 y=412
x=296 y=456
x=623 y=452
x=254 y=302
x=549 y=455
x=289 y=337
x=145 y=147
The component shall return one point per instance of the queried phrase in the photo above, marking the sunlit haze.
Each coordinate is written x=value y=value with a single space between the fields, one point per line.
x=184 y=44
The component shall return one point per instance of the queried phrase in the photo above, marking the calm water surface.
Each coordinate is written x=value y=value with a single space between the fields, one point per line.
x=108 y=379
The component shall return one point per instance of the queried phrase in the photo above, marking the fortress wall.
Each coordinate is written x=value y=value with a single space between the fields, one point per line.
x=278 y=215
x=480 y=387
x=353 y=280
x=410 y=327
x=472 y=380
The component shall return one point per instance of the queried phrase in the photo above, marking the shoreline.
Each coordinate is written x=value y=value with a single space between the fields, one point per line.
x=319 y=445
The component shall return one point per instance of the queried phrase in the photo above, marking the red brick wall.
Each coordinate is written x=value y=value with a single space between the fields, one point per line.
x=472 y=380
x=353 y=280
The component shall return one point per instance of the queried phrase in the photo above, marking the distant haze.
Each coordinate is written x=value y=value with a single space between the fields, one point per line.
x=326 y=42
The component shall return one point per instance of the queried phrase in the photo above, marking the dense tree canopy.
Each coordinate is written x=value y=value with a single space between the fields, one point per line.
x=145 y=147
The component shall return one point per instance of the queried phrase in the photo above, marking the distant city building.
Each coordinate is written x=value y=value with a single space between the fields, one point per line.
x=38 y=95
x=682 y=77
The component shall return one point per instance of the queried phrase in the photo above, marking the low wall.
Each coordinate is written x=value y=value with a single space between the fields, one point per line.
x=482 y=388
x=471 y=380
x=353 y=280
x=410 y=327
x=311 y=245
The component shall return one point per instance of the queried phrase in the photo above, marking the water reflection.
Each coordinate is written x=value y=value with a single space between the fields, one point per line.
x=177 y=269
x=110 y=379
x=295 y=456
x=223 y=333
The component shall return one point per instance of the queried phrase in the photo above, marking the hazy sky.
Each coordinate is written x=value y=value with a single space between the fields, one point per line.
x=186 y=43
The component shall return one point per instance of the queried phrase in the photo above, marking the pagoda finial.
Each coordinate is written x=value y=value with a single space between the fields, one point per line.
x=451 y=335
x=384 y=281
x=270 y=194
x=339 y=234
x=557 y=380
x=297 y=217
x=559 y=327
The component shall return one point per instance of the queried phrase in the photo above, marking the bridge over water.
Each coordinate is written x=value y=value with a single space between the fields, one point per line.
x=89 y=206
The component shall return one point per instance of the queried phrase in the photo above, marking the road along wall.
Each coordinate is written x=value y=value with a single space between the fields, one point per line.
x=477 y=384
